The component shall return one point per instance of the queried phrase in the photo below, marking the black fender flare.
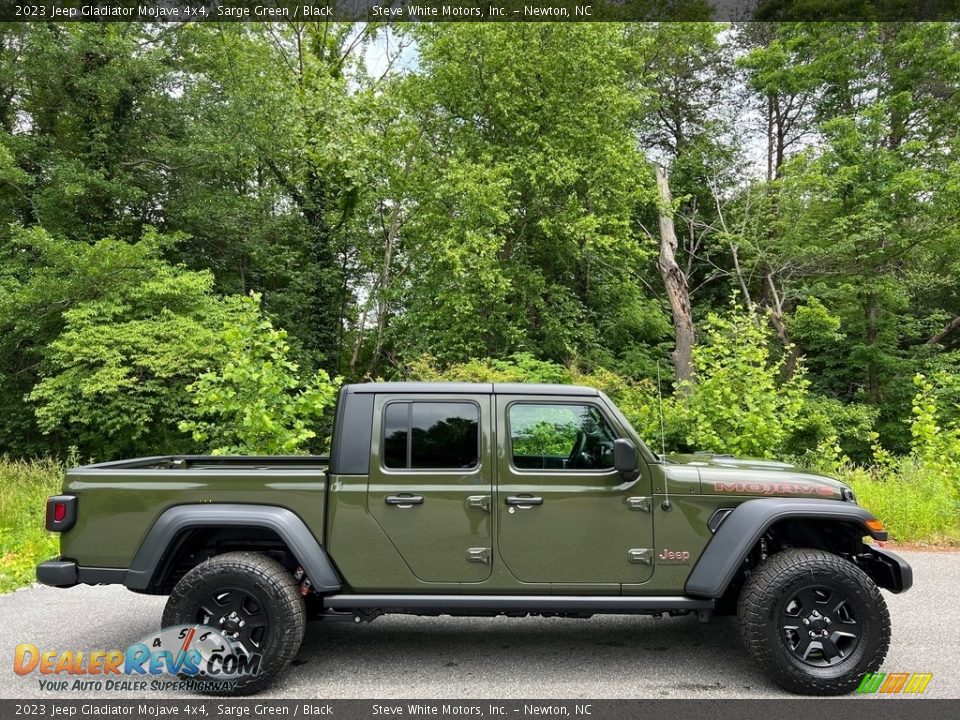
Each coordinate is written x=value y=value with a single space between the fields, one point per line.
x=743 y=528
x=285 y=523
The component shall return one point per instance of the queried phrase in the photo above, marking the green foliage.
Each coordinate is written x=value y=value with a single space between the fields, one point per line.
x=484 y=192
x=918 y=496
x=739 y=403
x=516 y=226
x=936 y=444
x=95 y=103
x=520 y=367
x=115 y=376
x=916 y=502
x=109 y=334
x=24 y=489
x=931 y=441
x=863 y=219
x=257 y=403
x=830 y=431
x=813 y=325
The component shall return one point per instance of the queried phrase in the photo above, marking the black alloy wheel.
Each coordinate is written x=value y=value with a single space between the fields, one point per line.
x=238 y=615
x=820 y=626
x=254 y=601
x=814 y=621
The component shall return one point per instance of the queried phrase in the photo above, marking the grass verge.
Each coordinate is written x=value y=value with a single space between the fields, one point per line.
x=918 y=503
x=24 y=488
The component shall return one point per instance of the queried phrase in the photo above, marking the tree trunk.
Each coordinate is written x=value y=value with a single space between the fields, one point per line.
x=775 y=306
x=873 y=372
x=382 y=308
x=675 y=282
x=383 y=283
x=950 y=328
x=769 y=137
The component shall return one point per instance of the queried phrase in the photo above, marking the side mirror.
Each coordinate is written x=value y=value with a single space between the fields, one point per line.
x=624 y=456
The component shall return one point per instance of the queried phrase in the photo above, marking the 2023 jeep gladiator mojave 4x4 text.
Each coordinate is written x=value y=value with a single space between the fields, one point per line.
x=487 y=499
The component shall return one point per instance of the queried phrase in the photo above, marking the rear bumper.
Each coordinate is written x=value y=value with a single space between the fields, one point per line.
x=64 y=573
x=888 y=570
x=58 y=573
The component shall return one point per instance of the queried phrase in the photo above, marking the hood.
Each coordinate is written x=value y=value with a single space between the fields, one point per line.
x=728 y=475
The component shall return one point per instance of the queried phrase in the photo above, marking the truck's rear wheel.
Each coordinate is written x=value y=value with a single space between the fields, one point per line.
x=252 y=600
x=815 y=622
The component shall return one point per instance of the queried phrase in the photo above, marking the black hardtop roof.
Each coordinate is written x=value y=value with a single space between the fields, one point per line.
x=455 y=388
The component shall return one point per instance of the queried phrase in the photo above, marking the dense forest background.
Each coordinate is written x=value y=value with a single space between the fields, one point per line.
x=203 y=229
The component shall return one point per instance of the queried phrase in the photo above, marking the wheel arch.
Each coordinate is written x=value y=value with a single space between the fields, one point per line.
x=740 y=534
x=175 y=527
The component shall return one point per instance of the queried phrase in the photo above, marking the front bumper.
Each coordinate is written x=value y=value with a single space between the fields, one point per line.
x=888 y=570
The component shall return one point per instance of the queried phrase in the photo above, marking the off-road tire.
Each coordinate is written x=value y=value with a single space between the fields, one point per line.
x=274 y=590
x=771 y=587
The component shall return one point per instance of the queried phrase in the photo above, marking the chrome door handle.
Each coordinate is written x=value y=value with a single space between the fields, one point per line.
x=404 y=501
x=524 y=502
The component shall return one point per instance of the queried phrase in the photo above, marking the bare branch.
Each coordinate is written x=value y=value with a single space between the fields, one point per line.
x=948 y=330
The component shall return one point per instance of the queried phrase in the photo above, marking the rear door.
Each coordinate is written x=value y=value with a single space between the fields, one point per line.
x=564 y=514
x=431 y=483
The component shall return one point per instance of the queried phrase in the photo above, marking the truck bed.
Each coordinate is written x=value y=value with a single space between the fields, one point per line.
x=214 y=462
x=118 y=502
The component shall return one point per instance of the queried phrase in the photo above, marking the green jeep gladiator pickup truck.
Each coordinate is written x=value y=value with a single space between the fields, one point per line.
x=487 y=499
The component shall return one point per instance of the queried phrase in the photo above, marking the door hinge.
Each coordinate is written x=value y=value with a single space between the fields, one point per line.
x=478 y=555
x=481 y=502
x=640 y=503
x=642 y=556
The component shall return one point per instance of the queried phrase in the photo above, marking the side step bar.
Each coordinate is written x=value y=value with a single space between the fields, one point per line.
x=512 y=603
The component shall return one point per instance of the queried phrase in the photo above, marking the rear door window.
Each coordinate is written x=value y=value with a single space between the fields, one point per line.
x=431 y=436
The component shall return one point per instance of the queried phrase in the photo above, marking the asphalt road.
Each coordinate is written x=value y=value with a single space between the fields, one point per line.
x=410 y=657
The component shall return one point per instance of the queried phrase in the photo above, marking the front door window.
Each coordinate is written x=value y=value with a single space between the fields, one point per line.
x=560 y=437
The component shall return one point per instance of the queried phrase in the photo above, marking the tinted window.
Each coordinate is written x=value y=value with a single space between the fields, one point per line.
x=421 y=435
x=560 y=437
x=396 y=427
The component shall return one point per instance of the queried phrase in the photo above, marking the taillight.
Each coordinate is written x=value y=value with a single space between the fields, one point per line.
x=61 y=512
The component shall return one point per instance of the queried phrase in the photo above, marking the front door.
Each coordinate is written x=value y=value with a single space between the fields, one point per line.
x=431 y=483
x=565 y=516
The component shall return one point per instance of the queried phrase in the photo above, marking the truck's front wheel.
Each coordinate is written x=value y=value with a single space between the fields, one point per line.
x=254 y=601
x=814 y=621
